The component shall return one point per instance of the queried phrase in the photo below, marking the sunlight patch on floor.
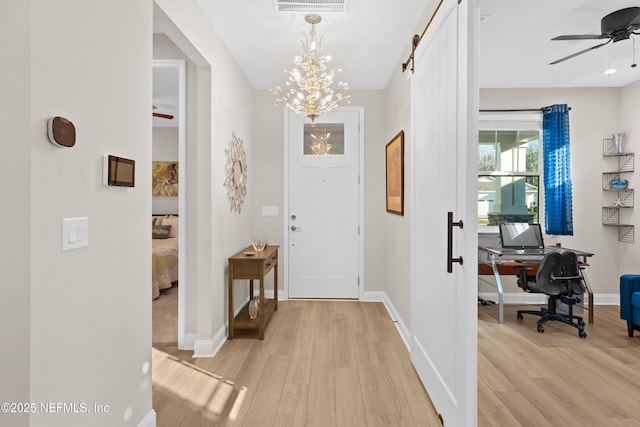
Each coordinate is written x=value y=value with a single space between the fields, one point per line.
x=195 y=385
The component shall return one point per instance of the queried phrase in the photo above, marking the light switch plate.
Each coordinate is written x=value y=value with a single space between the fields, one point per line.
x=75 y=233
x=269 y=211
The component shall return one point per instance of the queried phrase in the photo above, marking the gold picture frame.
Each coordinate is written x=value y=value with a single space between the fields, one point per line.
x=394 y=155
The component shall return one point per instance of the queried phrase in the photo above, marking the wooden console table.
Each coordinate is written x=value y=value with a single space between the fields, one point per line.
x=253 y=267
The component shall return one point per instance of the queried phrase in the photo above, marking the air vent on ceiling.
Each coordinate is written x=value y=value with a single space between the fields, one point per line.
x=311 y=5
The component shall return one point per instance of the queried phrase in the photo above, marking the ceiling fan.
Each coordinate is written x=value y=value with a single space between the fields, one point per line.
x=161 y=115
x=616 y=26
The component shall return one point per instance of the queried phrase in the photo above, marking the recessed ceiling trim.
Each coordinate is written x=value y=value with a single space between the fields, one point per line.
x=311 y=5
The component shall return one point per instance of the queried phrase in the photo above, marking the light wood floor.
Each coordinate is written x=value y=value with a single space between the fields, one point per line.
x=555 y=378
x=340 y=363
x=322 y=363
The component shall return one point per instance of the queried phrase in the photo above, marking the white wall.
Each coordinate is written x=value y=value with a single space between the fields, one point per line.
x=629 y=111
x=15 y=199
x=83 y=316
x=396 y=237
x=596 y=113
x=165 y=149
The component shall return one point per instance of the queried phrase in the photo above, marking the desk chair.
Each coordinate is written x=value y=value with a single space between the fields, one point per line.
x=558 y=276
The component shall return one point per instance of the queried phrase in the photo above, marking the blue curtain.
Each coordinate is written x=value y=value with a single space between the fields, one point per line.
x=558 y=200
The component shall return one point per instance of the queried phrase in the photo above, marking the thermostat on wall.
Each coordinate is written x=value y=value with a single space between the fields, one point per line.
x=62 y=132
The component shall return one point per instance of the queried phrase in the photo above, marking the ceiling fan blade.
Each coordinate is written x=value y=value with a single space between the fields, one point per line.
x=581 y=37
x=163 y=116
x=580 y=53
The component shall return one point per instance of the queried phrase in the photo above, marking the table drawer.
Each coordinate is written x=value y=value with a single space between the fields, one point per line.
x=270 y=262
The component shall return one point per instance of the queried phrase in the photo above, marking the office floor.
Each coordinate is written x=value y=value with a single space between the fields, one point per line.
x=556 y=378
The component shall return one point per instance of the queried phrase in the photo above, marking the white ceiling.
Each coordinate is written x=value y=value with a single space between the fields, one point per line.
x=368 y=42
x=516 y=47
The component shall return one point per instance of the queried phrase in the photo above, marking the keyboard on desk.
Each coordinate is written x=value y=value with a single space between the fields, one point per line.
x=524 y=252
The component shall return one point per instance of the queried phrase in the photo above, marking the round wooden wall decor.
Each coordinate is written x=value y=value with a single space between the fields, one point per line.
x=236 y=181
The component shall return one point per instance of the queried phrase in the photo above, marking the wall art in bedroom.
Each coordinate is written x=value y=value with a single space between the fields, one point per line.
x=165 y=179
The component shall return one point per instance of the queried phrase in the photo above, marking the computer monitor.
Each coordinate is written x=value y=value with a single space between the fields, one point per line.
x=521 y=235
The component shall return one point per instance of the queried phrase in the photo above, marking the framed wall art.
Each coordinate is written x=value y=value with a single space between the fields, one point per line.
x=394 y=154
x=164 y=179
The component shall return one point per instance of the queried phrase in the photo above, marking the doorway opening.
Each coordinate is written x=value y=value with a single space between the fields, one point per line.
x=168 y=204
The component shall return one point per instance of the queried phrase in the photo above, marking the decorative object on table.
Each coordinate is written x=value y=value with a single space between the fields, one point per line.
x=619 y=184
x=254 y=307
x=236 y=181
x=618 y=142
x=311 y=93
x=394 y=153
x=259 y=244
x=164 y=179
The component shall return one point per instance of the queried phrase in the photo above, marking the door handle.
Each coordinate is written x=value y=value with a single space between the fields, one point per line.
x=450 y=258
x=295 y=228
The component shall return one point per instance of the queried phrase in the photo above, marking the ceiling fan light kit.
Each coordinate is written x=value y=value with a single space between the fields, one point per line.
x=616 y=26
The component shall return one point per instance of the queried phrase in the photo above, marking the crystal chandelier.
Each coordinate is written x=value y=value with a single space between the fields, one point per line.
x=320 y=145
x=310 y=93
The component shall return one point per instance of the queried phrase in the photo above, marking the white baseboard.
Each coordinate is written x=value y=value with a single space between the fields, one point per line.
x=393 y=313
x=149 y=420
x=527 y=298
x=189 y=341
x=210 y=347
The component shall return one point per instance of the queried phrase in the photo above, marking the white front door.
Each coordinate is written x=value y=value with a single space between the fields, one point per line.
x=443 y=216
x=323 y=169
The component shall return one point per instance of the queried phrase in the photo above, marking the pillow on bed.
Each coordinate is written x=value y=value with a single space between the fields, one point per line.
x=160 y=231
x=173 y=222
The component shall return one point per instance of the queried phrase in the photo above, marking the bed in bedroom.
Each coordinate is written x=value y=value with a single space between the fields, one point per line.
x=164 y=264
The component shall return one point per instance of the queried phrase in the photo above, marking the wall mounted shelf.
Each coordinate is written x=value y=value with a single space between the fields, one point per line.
x=625 y=197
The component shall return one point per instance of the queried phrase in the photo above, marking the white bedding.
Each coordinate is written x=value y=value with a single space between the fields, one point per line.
x=164 y=264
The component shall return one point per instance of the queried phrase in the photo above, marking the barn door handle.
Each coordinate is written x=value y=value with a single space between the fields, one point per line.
x=450 y=258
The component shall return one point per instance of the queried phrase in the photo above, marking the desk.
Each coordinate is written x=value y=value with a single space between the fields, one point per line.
x=496 y=262
x=254 y=267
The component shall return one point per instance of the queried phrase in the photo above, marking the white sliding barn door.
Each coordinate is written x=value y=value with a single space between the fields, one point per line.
x=443 y=293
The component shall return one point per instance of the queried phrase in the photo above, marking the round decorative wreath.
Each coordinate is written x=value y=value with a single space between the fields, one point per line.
x=236 y=181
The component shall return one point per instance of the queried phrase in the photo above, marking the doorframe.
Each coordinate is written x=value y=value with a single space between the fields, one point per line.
x=285 y=216
x=180 y=66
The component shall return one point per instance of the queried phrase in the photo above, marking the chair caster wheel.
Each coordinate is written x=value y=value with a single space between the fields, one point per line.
x=582 y=334
x=519 y=316
x=540 y=328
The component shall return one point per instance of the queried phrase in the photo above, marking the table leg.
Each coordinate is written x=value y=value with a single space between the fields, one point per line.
x=261 y=312
x=496 y=274
x=230 y=297
x=589 y=293
x=275 y=285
